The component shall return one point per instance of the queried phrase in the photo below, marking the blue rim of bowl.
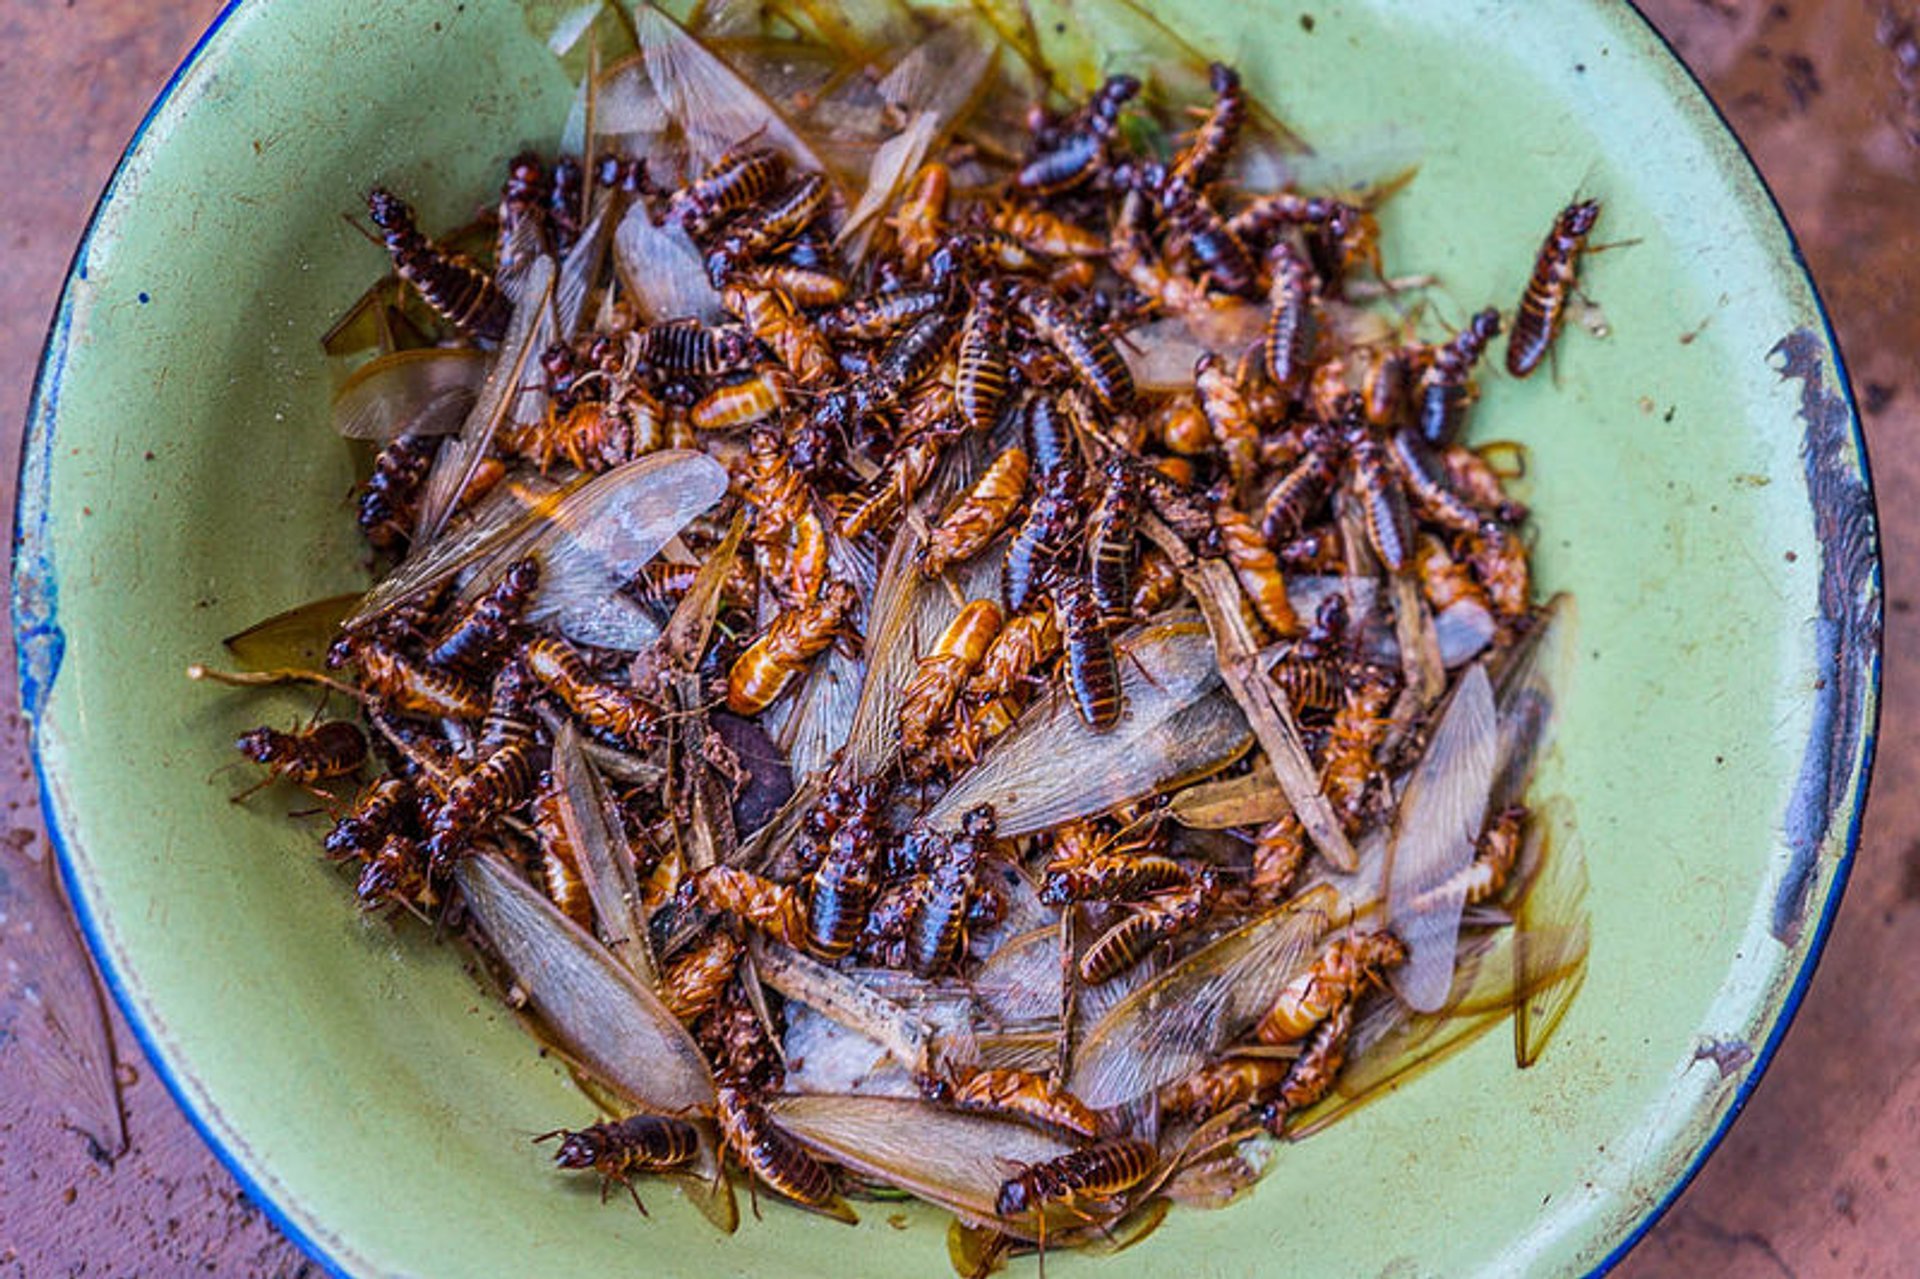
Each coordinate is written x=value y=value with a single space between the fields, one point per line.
x=32 y=499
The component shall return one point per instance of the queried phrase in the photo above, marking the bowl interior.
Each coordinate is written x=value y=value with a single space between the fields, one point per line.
x=181 y=482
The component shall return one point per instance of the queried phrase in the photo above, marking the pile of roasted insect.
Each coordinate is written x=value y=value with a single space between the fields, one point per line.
x=973 y=660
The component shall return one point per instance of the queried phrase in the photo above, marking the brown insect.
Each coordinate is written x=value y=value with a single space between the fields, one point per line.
x=1477 y=480
x=797 y=285
x=1359 y=727
x=936 y=937
x=768 y=1152
x=1093 y=673
x=774 y=909
x=1496 y=854
x=1313 y=1072
x=559 y=859
x=1116 y=874
x=386 y=803
x=1291 y=299
x=1223 y=261
x=1279 y=852
x=1028 y=1096
x=1200 y=162
x=616 y=713
x=1446 y=389
x=783 y=650
x=1225 y=409
x=1218 y=1087
x=1043 y=540
x=692 y=984
x=458 y=291
x=1499 y=560
x=1156 y=583
x=973 y=726
x=1025 y=644
x=1047 y=233
x=1383 y=503
x=396 y=873
x=1543 y=306
x=624 y=1147
x=736 y=180
x=1443 y=580
x=1091 y=356
x=980 y=383
x=1428 y=484
x=332 y=748
x=880 y=315
x=1257 y=569
x=499 y=783
x=979 y=517
x=841 y=889
x=1311 y=684
x=1302 y=492
x=687 y=347
x=389 y=503
x=767 y=226
x=1083 y=151
x=1095 y=1172
x=1351 y=965
x=489 y=627
x=799 y=346
x=908 y=469
x=944 y=669
x=760 y=395
x=920 y=220
x=1159 y=918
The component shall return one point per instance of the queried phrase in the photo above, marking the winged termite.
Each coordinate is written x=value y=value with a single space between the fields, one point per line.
x=458 y=459
x=952 y=1158
x=1178 y=1021
x=426 y=392
x=606 y=863
x=606 y=1019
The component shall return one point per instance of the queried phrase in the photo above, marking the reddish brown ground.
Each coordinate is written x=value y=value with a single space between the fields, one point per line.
x=1812 y=1178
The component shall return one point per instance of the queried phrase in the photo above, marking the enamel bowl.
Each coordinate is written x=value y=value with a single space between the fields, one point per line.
x=1698 y=481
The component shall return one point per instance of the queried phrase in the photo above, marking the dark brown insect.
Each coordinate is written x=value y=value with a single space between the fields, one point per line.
x=1043 y=539
x=616 y=713
x=943 y=670
x=768 y=1152
x=332 y=748
x=1116 y=875
x=1383 y=504
x=692 y=984
x=1428 y=485
x=980 y=382
x=908 y=468
x=1302 y=492
x=523 y=211
x=777 y=657
x=565 y=201
x=386 y=803
x=1201 y=161
x=1093 y=673
x=1089 y=353
x=1311 y=684
x=1350 y=965
x=907 y=359
x=937 y=935
x=390 y=502
x=489 y=627
x=689 y=347
x=499 y=783
x=458 y=291
x=1049 y=435
x=1083 y=151
x=1032 y=1097
x=1229 y=419
x=396 y=873
x=1099 y=1171
x=841 y=889
x=1446 y=390
x=881 y=315
x=979 y=517
x=618 y=1150
x=1288 y=343
x=1221 y=259
x=1159 y=918
x=1314 y=1070
x=736 y=180
x=1111 y=537
x=767 y=226
x=1156 y=583
x=1543 y=306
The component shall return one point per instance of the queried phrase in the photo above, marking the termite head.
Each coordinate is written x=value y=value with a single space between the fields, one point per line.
x=628 y=173
x=388 y=211
x=979 y=822
x=1222 y=79
x=526 y=177
x=1015 y=1197
x=934 y=1088
x=259 y=744
x=581 y=1149
x=1578 y=219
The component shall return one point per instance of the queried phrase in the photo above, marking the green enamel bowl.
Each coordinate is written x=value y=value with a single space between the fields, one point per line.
x=1698 y=479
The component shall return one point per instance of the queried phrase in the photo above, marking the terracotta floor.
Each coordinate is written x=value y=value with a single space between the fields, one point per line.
x=1812 y=1179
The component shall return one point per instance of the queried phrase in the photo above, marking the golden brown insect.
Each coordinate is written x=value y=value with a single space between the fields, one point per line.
x=1159 y=918
x=768 y=1152
x=1446 y=388
x=1035 y=1098
x=1131 y=254
x=1180 y=425
x=1314 y=1070
x=1200 y=162
x=1083 y=151
x=616 y=713
x=1288 y=342
x=783 y=650
x=979 y=517
x=1089 y=353
x=1043 y=539
x=794 y=341
x=1107 y=875
x=1279 y=851
x=489 y=627
x=936 y=935
x=1156 y=583
x=624 y=1147
x=1495 y=855
x=559 y=859
x=1386 y=387
x=880 y=315
x=1359 y=728
x=1318 y=550
x=1499 y=560
x=1477 y=480
x=774 y=909
x=1093 y=673
x=1257 y=570
x=1099 y=1171
x=662 y=584
x=1444 y=581
x=799 y=285
x=499 y=783
x=1383 y=503
x=1222 y=1085
x=763 y=394
x=1543 y=306
x=1351 y=965
x=458 y=291
x=736 y=180
x=973 y=726
x=980 y=383
x=908 y=468
x=1228 y=418
x=332 y=748
x=389 y=503
x=920 y=220
x=400 y=684
x=1047 y=233
x=1025 y=644
x=1303 y=490
x=944 y=669
x=692 y=984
